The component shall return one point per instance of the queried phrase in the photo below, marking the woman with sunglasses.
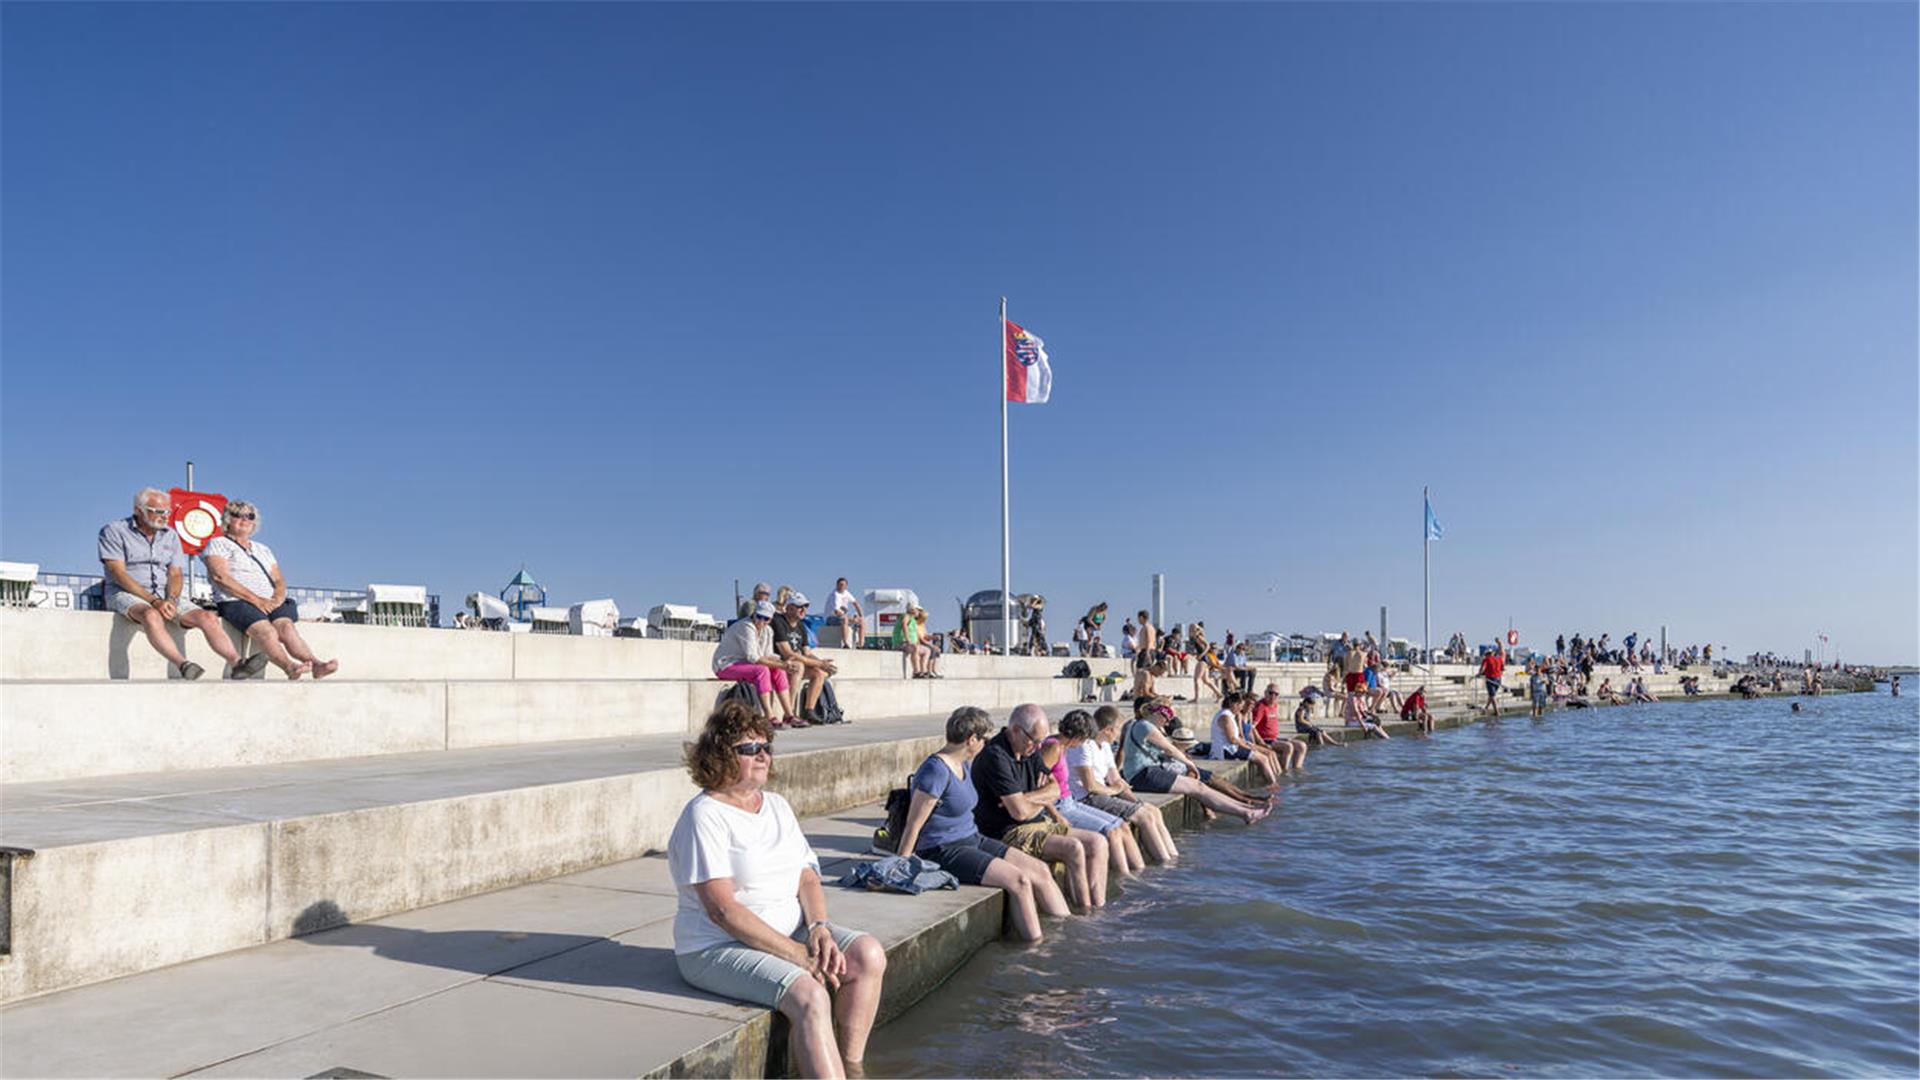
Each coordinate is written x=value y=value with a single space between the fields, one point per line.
x=940 y=827
x=251 y=594
x=752 y=917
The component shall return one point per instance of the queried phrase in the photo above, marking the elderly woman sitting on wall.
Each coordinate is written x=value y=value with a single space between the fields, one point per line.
x=250 y=593
x=752 y=918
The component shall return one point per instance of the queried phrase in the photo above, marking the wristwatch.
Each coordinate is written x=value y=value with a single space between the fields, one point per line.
x=816 y=924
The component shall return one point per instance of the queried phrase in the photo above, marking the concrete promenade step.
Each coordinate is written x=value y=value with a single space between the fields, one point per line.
x=71 y=730
x=135 y=872
x=570 y=976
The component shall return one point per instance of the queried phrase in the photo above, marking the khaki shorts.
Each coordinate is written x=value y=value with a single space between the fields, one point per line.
x=1032 y=836
x=124 y=603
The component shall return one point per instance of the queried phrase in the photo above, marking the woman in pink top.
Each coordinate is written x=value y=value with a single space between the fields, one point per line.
x=1123 y=849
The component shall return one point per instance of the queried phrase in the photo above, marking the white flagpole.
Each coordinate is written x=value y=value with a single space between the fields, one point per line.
x=1426 y=579
x=1006 y=541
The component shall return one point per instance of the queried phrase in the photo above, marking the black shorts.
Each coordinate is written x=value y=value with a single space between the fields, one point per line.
x=966 y=859
x=242 y=614
x=1154 y=779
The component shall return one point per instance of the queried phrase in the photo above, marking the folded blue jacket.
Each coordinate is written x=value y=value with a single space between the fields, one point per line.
x=908 y=874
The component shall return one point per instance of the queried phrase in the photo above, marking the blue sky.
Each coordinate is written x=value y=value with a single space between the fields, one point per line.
x=652 y=297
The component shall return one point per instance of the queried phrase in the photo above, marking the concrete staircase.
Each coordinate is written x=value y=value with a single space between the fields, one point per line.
x=169 y=821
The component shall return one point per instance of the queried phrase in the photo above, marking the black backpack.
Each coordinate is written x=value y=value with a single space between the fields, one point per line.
x=897 y=802
x=742 y=692
x=1076 y=669
x=828 y=707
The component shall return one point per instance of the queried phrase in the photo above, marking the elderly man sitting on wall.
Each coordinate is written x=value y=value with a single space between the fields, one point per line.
x=143 y=562
x=1017 y=795
x=790 y=641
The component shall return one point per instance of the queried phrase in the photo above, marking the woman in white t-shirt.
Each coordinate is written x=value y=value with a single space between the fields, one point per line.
x=752 y=919
x=1093 y=778
x=251 y=594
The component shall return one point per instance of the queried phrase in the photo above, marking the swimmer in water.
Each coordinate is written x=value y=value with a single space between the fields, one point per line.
x=1896 y=686
x=1796 y=706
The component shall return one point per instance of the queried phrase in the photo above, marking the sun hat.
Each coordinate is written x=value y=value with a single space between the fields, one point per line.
x=797 y=599
x=763 y=610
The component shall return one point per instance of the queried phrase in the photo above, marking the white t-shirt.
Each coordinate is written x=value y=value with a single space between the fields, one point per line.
x=841 y=601
x=763 y=853
x=254 y=576
x=1093 y=755
x=1223 y=722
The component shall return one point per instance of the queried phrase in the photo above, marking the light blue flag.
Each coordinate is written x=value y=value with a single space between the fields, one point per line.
x=1433 y=523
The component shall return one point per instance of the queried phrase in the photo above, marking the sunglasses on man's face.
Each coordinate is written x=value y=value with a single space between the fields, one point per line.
x=245 y=517
x=753 y=749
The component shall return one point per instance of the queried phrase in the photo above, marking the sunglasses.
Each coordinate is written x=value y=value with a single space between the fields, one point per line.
x=753 y=749
x=249 y=516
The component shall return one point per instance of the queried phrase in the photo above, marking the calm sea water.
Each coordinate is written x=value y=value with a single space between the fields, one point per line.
x=1713 y=888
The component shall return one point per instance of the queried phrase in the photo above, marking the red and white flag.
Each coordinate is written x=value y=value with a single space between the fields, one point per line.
x=1029 y=379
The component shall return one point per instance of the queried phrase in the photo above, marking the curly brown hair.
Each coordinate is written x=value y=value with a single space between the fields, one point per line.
x=710 y=759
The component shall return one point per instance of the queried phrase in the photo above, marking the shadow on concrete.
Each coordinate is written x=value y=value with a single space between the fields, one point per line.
x=533 y=957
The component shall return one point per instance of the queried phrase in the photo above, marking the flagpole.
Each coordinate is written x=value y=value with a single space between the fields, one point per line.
x=1006 y=541
x=1426 y=579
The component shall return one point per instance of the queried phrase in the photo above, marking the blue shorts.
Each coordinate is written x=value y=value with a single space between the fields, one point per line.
x=1081 y=816
x=242 y=614
x=1234 y=753
x=966 y=859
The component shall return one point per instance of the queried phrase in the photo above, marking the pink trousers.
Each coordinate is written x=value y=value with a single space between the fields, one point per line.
x=764 y=679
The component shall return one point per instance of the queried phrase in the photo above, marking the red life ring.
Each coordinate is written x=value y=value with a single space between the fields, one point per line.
x=1513 y=638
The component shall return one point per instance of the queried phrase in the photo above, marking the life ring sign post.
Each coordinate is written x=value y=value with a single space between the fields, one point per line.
x=195 y=516
x=1513 y=637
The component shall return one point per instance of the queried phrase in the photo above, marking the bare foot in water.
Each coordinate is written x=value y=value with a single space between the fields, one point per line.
x=1255 y=815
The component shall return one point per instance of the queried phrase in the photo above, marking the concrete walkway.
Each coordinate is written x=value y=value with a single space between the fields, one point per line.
x=573 y=976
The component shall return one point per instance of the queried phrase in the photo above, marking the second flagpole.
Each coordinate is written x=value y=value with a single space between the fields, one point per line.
x=1006 y=541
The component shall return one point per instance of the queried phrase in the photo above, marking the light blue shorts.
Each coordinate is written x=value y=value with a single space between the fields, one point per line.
x=1081 y=816
x=744 y=973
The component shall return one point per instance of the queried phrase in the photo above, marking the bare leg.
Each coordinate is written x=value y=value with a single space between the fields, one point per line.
x=1154 y=835
x=157 y=636
x=1066 y=850
x=809 y=1008
x=208 y=624
x=1126 y=851
x=265 y=640
x=859 y=998
x=1095 y=846
x=1008 y=878
x=297 y=646
x=1039 y=875
x=1213 y=800
x=816 y=683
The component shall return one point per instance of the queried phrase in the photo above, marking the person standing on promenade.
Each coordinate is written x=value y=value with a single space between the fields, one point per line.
x=940 y=826
x=1146 y=646
x=846 y=611
x=1017 y=793
x=1492 y=667
x=751 y=922
x=144 y=562
x=1560 y=645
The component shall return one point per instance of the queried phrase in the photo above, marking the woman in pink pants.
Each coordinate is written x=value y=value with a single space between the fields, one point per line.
x=745 y=654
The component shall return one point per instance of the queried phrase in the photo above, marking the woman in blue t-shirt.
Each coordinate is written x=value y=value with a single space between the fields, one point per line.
x=940 y=828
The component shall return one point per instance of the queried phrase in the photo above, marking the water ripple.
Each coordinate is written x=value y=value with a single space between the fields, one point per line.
x=1668 y=889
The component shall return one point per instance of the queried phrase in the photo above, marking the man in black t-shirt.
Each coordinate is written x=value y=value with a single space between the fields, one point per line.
x=1017 y=795
x=790 y=641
